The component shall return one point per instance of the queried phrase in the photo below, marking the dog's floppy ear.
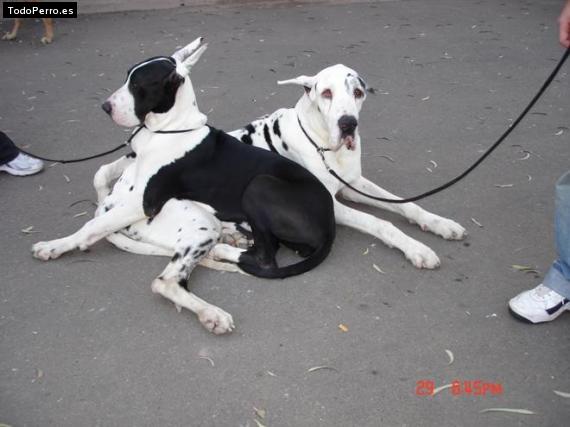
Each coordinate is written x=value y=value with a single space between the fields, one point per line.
x=190 y=53
x=308 y=82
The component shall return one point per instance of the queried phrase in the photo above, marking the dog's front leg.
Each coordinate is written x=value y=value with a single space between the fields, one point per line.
x=48 y=36
x=418 y=253
x=444 y=227
x=172 y=283
x=107 y=174
x=14 y=33
x=94 y=230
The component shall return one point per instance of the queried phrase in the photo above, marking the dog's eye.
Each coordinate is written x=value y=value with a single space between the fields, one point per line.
x=326 y=94
x=358 y=93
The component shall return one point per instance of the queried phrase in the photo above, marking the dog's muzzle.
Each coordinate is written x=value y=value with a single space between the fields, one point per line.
x=347 y=126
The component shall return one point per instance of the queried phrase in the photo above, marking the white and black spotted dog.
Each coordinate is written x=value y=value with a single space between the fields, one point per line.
x=182 y=179
x=328 y=112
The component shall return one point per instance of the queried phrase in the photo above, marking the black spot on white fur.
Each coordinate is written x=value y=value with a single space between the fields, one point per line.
x=183 y=283
x=198 y=253
x=267 y=137
x=206 y=243
x=276 y=129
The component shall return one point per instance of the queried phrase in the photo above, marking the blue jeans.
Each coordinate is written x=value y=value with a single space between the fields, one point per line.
x=558 y=277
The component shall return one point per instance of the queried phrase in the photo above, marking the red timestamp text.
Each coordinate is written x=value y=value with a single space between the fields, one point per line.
x=427 y=387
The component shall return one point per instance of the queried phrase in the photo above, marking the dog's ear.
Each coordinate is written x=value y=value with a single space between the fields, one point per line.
x=191 y=52
x=173 y=81
x=362 y=82
x=195 y=56
x=308 y=82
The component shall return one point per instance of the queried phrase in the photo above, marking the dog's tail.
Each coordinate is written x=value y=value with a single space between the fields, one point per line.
x=294 y=269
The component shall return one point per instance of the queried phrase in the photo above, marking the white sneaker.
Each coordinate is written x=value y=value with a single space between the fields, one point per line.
x=537 y=305
x=22 y=165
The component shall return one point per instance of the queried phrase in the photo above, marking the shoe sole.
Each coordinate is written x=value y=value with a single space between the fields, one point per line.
x=521 y=318
x=525 y=320
x=20 y=173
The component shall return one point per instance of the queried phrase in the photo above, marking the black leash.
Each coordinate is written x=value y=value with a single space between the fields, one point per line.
x=83 y=159
x=545 y=86
x=123 y=145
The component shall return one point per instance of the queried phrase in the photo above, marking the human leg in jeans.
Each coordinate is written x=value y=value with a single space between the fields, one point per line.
x=551 y=298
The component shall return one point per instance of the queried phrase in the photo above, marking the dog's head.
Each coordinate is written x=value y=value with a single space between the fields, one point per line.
x=337 y=93
x=152 y=85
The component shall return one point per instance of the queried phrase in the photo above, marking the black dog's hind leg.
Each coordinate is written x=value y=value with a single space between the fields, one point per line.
x=263 y=251
x=302 y=249
x=260 y=213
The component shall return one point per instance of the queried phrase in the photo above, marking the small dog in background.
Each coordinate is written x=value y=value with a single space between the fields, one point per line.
x=48 y=25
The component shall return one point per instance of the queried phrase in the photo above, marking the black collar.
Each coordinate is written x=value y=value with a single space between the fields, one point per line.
x=157 y=131
x=173 y=131
x=320 y=150
x=170 y=131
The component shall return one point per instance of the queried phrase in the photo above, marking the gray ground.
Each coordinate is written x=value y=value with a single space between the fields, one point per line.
x=85 y=343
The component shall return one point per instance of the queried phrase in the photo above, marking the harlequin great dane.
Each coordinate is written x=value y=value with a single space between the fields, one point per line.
x=328 y=112
x=183 y=175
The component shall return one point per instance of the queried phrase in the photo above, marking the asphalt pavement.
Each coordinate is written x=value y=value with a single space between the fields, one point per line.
x=84 y=342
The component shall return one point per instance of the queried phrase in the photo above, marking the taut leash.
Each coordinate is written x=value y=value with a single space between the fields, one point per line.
x=322 y=150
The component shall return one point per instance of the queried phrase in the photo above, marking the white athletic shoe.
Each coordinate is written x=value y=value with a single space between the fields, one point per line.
x=22 y=165
x=537 y=305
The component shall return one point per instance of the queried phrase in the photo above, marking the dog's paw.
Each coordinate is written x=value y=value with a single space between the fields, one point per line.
x=47 y=250
x=422 y=257
x=9 y=36
x=216 y=320
x=446 y=228
x=46 y=40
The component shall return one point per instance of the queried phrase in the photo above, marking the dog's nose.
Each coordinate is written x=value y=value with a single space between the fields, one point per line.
x=107 y=108
x=347 y=124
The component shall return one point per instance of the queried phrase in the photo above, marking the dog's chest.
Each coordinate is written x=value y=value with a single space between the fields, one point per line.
x=155 y=151
x=347 y=161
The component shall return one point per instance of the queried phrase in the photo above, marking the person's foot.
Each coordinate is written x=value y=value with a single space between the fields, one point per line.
x=22 y=165
x=537 y=305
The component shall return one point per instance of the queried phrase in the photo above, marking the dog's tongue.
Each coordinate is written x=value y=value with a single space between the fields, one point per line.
x=349 y=142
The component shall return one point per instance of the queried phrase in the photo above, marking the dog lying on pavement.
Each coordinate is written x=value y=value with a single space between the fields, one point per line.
x=184 y=171
x=328 y=112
